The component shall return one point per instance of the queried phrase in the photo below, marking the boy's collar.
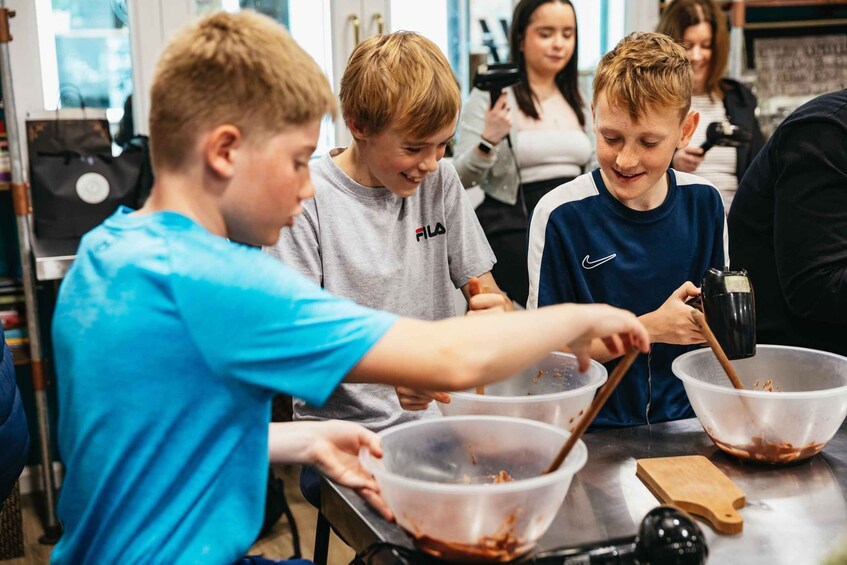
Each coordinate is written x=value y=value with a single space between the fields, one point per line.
x=637 y=215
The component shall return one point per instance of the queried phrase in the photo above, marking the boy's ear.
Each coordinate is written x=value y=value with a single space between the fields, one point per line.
x=689 y=126
x=220 y=147
x=355 y=130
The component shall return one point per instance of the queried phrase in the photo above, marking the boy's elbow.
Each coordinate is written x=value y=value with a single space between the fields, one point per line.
x=463 y=369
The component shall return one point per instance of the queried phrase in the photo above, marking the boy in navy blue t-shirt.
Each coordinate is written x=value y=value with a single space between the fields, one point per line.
x=634 y=233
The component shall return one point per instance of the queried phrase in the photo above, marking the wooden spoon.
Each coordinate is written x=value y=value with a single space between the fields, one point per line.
x=474 y=288
x=601 y=398
x=700 y=319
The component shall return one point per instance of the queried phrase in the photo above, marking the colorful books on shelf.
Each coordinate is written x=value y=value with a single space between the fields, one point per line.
x=13 y=318
x=5 y=161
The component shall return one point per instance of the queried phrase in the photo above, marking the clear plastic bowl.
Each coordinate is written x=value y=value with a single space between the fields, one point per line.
x=792 y=423
x=437 y=475
x=553 y=391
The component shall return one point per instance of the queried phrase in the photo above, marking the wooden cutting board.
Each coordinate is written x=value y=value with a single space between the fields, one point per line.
x=694 y=484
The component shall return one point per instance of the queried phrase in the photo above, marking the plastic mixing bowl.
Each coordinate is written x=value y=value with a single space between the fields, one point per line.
x=553 y=391
x=438 y=477
x=791 y=423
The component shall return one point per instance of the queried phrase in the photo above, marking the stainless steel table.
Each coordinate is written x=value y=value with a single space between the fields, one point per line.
x=794 y=515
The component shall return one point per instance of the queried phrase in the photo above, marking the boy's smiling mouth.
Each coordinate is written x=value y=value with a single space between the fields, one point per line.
x=410 y=178
x=627 y=177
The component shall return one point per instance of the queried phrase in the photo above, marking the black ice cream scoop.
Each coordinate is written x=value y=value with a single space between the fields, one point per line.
x=495 y=77
x=667 y=536
x=725 y=134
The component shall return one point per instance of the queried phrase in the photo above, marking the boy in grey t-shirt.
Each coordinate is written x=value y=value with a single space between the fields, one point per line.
x=390 y=226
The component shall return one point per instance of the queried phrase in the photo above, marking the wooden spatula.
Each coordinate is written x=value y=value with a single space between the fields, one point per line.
x=694 y=484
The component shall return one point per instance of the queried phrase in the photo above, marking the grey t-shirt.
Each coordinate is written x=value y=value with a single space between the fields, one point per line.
x=403 y=255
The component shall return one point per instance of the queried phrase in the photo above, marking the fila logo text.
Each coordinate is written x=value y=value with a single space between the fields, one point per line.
x=427 y=232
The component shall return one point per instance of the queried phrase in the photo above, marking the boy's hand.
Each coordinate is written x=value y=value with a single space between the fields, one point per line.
x=498 y=121
x=412 y=399
x=619 y=330
x=673 y=322
x=687 y=159
x=335 y=452
x=483 y=299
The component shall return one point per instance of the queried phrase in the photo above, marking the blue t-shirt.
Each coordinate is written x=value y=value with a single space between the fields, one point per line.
x=585 y=246
x=14 y=434
x=170 y=343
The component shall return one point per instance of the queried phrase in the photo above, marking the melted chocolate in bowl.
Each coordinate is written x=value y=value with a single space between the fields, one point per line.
x=502 y=547
x=761 y=450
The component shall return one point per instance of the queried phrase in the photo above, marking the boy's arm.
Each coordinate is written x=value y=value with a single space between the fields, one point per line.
x=461 y=353
x=333 y=447
x=671 y=323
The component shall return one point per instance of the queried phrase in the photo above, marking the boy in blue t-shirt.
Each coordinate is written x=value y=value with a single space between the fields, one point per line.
x=171 y=339
x=634 y=233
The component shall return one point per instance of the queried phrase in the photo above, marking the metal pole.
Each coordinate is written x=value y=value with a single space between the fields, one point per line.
x=20 y=198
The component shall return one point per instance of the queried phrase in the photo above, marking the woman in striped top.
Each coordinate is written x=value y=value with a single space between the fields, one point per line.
x=701 y=28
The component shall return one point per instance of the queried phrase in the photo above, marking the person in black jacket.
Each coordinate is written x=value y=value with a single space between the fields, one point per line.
x=700 y=27
x=788 y=228
x=14 y=435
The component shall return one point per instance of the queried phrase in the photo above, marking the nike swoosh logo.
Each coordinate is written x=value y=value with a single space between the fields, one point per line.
x=586 y=264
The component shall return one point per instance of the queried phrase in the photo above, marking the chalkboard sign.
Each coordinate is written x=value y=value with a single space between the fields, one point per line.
x=800 y=66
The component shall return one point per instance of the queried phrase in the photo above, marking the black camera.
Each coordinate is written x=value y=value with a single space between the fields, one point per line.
x=725 y=134
x=495 y=77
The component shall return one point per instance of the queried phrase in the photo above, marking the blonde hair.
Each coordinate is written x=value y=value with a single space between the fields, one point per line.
x=399 y=79
x=242 y=69
x=645 y=70
x=681 y=15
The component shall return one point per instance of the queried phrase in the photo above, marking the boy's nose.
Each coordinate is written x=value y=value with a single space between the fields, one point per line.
x=429 y=164
x=307 y=190
x=626 y=160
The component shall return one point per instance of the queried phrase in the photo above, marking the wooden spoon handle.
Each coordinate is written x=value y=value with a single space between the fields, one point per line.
x=601 y=398
x=474 y=289
x=718 y=350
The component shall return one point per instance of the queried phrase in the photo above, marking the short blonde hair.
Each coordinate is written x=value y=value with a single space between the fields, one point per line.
x=645 y=70
x=400 y=79
x=242 y=69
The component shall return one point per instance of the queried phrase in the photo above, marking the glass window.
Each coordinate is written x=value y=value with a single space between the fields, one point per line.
x=85 y=51
x=308 y=21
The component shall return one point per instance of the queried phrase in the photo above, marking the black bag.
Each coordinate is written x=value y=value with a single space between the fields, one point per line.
x=73 y=193
x=144 y=186
x=88 y=136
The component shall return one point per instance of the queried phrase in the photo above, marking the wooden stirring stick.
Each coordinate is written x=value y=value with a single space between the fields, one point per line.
x=604 y=394
x=717 y=349
x=474 y=289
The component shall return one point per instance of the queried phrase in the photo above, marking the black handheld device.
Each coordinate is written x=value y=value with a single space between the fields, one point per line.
x=730 y=310
x=725 y=134
x=495 y=77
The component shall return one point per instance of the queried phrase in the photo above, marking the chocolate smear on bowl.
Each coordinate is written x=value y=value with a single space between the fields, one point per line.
x=501 y=547
x=761 y=450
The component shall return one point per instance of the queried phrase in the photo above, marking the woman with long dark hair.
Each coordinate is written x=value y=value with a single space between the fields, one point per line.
x=700 y=27
x=534 y=138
